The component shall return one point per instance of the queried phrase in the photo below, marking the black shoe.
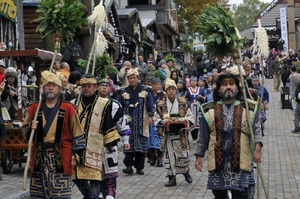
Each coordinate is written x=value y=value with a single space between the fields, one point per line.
x=159 y=163
x=140 y=172
x=172 y=182
x=0 y=177
x=128 y=170
x=296 y=130
x=152 y=162
x=188 y=177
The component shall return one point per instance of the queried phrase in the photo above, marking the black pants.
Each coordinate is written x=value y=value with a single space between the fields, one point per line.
x=156 y=154
x=136 y=159
x=194 y=134
x=222 y=194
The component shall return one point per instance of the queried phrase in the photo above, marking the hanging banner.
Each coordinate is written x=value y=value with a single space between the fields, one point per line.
x=8 y=9
x=284 y=30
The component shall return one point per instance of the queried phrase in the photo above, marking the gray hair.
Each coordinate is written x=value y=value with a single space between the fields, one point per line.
x=126 y=63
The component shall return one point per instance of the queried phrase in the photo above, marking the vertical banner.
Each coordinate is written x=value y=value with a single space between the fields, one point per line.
x=284 y=31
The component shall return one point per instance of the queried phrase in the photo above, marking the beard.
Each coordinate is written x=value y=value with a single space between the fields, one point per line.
x=50 y=95
x=228 y=95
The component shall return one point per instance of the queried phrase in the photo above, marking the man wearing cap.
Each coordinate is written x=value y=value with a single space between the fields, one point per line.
x=223 y=132
x=110 y=163
x=175 y=144
x=9 y=96
x=97 y=123
x=138 y=104
x=154 y=140
x=58 y=142
x=2 y=70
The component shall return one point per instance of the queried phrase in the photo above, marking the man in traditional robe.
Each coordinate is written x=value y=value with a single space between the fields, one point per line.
x=110 y=163
x=138 y=104
x=175 y=144
x=58 y=139
x=224 y=132
x=155 y=155
x=100 y=131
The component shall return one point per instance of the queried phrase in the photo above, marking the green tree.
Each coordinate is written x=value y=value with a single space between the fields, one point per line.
x=188 y=9
x=245 y=13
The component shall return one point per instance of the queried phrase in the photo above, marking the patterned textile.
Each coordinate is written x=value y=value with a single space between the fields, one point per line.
x=227 y=179
x=48 y=183
x=108 y=187
x=176 y=160
x=154 y=140
x=138 y=106
x=110 y=164
x=233 y=116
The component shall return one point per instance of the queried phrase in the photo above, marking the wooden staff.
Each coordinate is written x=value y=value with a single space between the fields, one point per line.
x=58 y=38
x=250 y=128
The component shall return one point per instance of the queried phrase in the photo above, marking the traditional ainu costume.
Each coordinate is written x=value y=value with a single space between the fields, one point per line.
x=224 y=128
x=175 y=144
x=100 y=131
x=58 y=136
x=138 y=106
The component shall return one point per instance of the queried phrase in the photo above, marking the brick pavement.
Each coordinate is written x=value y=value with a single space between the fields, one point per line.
x=280 y=165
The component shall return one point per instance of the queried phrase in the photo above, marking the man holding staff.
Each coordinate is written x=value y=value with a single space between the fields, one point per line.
x=58 y=140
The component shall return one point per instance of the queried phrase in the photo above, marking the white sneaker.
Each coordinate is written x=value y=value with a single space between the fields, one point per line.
x=110 y=197
x=100 y=195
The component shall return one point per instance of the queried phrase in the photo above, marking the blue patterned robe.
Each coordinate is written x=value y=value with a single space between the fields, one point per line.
x=138 y=106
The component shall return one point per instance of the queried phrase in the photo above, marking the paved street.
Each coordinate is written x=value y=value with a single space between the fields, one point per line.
x=280 y=165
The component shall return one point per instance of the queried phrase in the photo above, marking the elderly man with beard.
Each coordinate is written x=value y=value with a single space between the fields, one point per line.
x=223 y=131
x=57 y=141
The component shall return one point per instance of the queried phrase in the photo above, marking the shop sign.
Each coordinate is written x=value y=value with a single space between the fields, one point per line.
x=8 y=9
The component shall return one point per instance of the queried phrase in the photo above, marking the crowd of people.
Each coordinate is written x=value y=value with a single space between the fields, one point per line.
x=83 y=117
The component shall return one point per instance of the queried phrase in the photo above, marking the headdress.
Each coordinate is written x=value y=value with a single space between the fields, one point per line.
x=254 y=78
x=103 y=81
x=202 y=78
x=48 y=77
x=132 y=71
x=88 y=80
x=193 y=78
x=170 y=83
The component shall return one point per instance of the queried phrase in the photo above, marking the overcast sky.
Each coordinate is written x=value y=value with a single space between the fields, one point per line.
x=241 y=1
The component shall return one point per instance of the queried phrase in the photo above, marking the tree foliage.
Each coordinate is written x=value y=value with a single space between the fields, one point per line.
x=58 y=16
x=245 y=13
x=216 y=26
x=188 y=9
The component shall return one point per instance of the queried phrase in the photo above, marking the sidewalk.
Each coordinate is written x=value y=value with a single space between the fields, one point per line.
x=280 y=165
